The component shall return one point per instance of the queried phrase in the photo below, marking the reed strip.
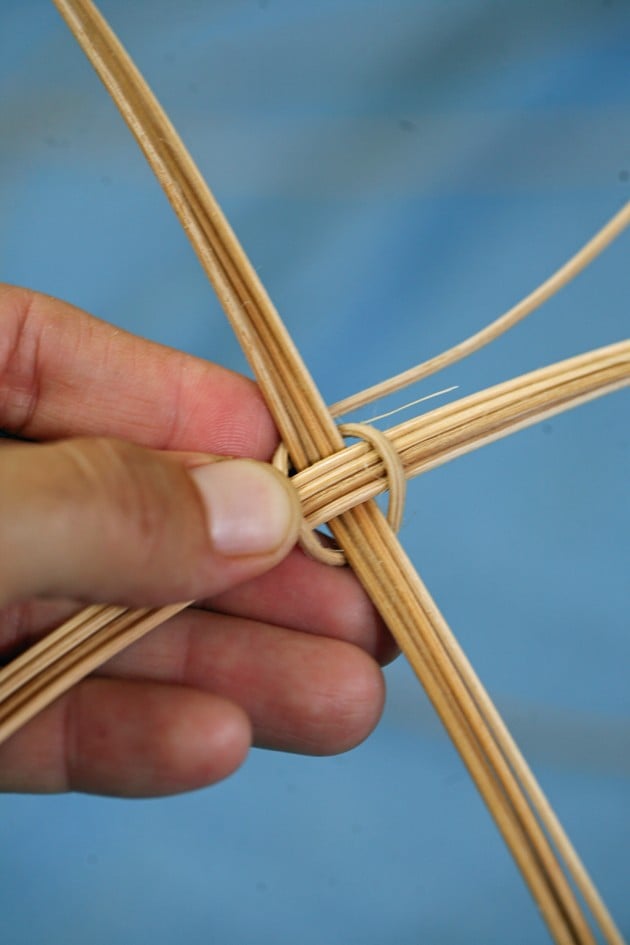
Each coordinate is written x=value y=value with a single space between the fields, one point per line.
x=355 y=474
x=101 y=640
x=310 y=435
x=72 y=633
x=541 y=294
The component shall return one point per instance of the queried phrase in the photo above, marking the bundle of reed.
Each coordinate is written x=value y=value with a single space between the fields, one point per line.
x=336 y=484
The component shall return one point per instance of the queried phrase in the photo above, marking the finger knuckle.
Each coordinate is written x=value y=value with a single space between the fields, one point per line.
x=19 y=348
x=122 y=485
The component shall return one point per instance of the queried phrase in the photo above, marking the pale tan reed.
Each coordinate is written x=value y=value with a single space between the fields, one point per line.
x=513 y=797
x=584 y=256
x=356 y=474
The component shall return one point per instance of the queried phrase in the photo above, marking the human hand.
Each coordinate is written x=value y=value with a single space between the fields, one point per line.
x=281 y=653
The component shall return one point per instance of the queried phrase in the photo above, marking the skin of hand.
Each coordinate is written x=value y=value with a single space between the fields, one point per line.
x=116 y=496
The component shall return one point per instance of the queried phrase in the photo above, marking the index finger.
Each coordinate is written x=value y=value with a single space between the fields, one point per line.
x=66 y=373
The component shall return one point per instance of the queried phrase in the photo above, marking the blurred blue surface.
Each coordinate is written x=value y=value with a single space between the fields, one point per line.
x=400 y=173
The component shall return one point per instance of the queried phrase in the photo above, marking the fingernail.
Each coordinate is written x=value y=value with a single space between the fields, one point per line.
x=250 y=509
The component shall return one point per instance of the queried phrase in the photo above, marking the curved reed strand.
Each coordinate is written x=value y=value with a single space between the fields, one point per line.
x=541 y=294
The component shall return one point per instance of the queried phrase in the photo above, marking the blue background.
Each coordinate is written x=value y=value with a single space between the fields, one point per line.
x=400 y=173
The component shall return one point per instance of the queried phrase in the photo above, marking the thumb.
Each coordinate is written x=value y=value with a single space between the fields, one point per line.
x=104 y=520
